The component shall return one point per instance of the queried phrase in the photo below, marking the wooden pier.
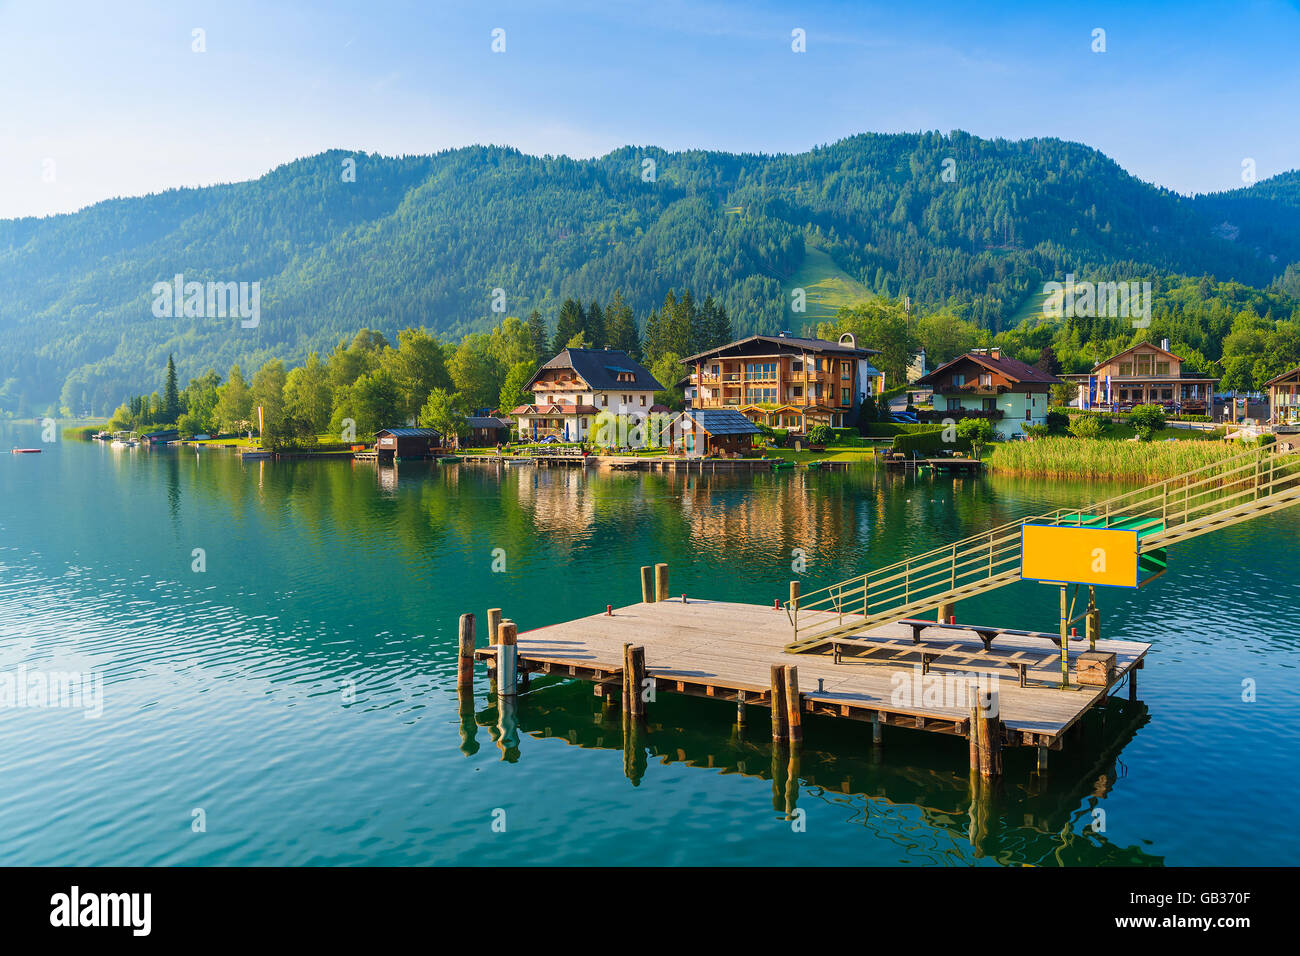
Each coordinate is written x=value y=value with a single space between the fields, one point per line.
x=970 y=466
x=916 y=675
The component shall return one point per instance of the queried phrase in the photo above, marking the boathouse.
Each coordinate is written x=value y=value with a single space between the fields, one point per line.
x=391 y=443
x=160 y=437
x=714 y=431
x=485 y=430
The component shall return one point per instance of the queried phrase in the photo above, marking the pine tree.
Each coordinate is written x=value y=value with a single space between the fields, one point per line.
x=571 y=321
x=171 y=409
x=620 y=327
x=597 y=334
x=537 y=329
x=653 y=345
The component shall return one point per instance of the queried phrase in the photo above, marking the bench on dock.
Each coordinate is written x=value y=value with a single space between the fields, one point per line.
x=950 y=658
x=986 y=633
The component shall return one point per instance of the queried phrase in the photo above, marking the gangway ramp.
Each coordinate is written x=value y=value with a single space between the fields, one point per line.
x=1255 y=483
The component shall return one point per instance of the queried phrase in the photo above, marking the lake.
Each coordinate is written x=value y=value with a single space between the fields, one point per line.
x=276 y=643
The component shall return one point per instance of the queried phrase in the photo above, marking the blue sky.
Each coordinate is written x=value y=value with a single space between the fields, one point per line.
x=99 y=100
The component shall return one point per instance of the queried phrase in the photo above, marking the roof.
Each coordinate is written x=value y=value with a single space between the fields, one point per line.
x=555 y=410
x=600 y=368
x=793 y=344
x=1278 y=378
x=1013 y=369
x=486 y=421
x=410 y=432
x=721 y=421
x=1137 y=345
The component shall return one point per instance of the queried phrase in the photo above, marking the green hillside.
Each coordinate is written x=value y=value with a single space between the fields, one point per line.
x=427 y=240
x=826 y=288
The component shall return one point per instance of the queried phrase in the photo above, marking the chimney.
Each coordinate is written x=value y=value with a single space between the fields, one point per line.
x=995 y=352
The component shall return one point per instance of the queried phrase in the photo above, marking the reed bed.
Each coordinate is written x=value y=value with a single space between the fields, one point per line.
x=1102 y=458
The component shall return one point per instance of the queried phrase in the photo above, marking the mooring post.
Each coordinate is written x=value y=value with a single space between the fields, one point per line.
x=1133 y=682
x=507 y=659
x=628 y=690
x=794 y=595
x=493 y=622
x=661 y=582
x=793 y=703
x=1042 y=758
x=779 y=731
x=465 y=654
x=740 y=709
x=1093 y=621
x=647 y=584
x=637 y=656
x=990 y=739
x=947 y=613
x=877 y=731
x=972 y=735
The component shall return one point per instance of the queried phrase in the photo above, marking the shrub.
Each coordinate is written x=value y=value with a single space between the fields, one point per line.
x=821 y=434
x=1147 y=420
x=1057 y=421
x=928 y=441
x=1087 y=426
x=977 y=431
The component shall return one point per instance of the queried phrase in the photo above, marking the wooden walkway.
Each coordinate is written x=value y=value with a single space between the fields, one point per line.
x=725 y=650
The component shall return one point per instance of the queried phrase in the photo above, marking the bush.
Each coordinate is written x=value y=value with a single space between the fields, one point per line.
x=821 y=435
x=1147 y=420
x=1057 y=421
x=1087 y=426
x=929 y=441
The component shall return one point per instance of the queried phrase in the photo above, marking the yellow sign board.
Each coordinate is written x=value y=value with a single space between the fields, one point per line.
x=1105 y=556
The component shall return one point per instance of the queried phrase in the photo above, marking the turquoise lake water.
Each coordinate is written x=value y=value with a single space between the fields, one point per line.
x=298 y=695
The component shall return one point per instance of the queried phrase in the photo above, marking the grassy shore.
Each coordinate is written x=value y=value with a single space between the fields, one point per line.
x=1106 y=458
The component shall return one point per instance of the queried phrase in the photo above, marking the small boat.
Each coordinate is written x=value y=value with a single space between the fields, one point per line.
x=448 y=459
x=24 y=451
x=254 y=455
x=123 y=443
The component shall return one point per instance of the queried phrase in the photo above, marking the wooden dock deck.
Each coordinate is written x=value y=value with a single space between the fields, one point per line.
x=890 y=675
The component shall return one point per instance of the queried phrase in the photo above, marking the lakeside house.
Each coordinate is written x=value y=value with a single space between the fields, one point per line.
x=1143 y=374
x=392 y=443
x=985 y=383
x=1284 y=398
x=786 y=382
x=714 y=431
x=573 y=388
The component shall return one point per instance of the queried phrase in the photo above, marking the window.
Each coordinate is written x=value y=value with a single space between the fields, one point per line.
x=1028 y=411
x=762 y=396
x=797 y=391
x=844 y=373
x=954 y=404
x=796 y=366
x=760 y=371
x=714 y=370
x=1144 y=364
x=986 y=379
x=844 y=397
x=1162 y=368
x=643 y=401
x=1126 y=369
x=604 y=400
x=958 y=381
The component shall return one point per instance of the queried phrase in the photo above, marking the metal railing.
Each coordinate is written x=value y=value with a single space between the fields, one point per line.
x=1163 y=513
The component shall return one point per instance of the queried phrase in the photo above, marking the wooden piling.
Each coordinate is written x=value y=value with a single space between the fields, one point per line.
x=1133 y=682
x=779 y=727
x=637 y=658
x=465 y=653
x=972 y=736
x=794 y=595
x=507 y=659
x=947 y=612
x=661 y=582
x=740 y=709
x=647 y=584
x=877 y=732
x=1042 y=759
x=493 y=622
x=628 y=690
x=793 y=703
x=990 y=741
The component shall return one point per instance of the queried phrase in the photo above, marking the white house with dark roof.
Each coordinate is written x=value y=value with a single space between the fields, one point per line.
x=987 y=384
x=573 y=388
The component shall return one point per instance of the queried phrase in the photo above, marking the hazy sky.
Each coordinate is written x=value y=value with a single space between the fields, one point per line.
x=110 y=99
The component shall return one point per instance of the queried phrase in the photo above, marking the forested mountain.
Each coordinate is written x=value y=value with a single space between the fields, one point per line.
x=425 y=241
